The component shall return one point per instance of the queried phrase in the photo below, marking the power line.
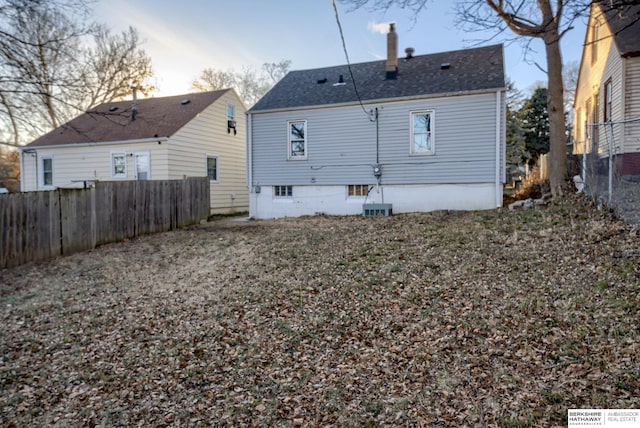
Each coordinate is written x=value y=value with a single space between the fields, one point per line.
x=346 y=54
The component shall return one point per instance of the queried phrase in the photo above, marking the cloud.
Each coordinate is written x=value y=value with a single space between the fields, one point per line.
x=378 y=27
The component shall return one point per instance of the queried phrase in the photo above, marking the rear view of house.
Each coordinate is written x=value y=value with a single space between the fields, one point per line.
x=168 y=138
x=417 y=133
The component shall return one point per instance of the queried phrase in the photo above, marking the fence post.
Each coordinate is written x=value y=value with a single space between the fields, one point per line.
x=611 y=146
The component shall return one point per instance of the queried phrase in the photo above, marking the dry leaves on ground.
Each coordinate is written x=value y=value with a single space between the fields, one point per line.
x=442 y=319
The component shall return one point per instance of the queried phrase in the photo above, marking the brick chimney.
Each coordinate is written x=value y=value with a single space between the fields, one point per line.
x=392 y=52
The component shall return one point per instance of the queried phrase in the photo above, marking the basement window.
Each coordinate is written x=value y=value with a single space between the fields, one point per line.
x=357 y=190
x=283 y=191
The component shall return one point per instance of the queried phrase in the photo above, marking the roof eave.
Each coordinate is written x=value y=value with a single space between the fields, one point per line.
x=96 y=143
x=381 y=100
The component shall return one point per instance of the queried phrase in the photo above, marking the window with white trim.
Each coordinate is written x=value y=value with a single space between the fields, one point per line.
x=283 y=191
x=118 y=165
x=422 y=135
x=297 y=146
x=231 y=112
x=47 y=171
x=357 y=190
x=212 y=168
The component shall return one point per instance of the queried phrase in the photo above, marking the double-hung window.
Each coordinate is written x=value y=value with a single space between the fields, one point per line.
x=212 y=168
x=47 y=171
x=297 y=145
x=422 y=135
x=118 y=165
x=231 y=112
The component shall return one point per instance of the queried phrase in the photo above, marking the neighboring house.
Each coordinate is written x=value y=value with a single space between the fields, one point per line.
x=608 y=88
x=193 y=135
x=428 y=134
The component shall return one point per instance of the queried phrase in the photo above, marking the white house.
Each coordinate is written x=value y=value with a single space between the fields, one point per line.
x=192 y=135
x=607 y=98
x=418 y=133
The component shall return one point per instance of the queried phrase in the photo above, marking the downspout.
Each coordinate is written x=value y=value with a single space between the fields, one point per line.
x=249 y=137
x=498 y=148
x=21 y=170
x=249 y=157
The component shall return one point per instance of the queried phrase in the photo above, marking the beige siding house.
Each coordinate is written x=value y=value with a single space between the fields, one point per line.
x=168 y=138
x=608 y=89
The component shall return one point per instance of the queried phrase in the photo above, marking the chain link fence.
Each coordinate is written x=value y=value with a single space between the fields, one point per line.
x=610 y=167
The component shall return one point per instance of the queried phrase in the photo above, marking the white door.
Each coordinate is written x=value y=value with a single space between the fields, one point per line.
x=142 y=166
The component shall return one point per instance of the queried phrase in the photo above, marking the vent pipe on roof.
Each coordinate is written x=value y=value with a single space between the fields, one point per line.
x=134 y=104
x=408 y=53
x=392 y=52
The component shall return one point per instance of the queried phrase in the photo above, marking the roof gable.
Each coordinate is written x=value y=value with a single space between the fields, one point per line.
x=468 y=70
x=624 y=23
x=155 y=117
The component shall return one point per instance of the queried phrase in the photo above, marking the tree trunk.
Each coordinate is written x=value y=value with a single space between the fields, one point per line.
x=555 y=106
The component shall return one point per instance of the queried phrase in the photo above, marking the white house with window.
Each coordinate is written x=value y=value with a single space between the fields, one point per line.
x=607 y=98
x=418 y=133
x=168 y=138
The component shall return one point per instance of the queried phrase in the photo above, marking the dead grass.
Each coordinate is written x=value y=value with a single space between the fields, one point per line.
x=444 y=319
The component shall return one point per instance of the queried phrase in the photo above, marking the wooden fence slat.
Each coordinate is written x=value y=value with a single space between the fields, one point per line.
x=45 y=224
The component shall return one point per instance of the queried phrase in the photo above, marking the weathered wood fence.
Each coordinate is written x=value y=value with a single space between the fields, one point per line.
x=42 y=225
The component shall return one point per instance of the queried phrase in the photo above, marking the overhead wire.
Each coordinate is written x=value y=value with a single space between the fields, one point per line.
x=346 y=54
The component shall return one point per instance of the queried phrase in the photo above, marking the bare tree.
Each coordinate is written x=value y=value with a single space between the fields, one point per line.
x=276 y=71
x=10 y=169
x=114 y=65
x=250 y=85
x=38 y=46
x=54 y=63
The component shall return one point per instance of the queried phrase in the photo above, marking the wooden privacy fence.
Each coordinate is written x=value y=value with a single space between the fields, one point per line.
x=42 y=225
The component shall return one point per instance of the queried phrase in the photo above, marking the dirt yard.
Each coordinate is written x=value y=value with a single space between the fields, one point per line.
x=446 y=319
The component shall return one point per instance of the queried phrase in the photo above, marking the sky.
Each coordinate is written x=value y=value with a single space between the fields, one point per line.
x=183 y=37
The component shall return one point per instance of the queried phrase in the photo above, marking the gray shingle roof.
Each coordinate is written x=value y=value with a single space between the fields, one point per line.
x=624 y=22
x=156 y=117
x=469 y=70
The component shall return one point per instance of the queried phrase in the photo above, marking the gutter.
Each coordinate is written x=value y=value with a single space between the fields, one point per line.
x=103 y=143
x=380 y=100
x=249 y=153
